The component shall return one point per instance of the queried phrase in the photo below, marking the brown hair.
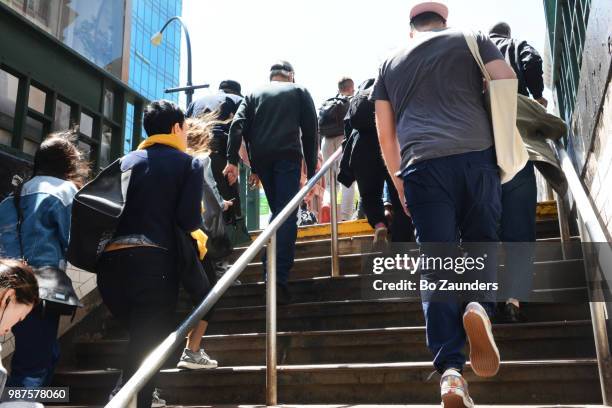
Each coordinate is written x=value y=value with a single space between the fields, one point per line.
x=19 y=276
x=58 y=156
x=199 y=131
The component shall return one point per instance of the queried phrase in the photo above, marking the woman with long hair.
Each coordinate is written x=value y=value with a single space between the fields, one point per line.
x=35 y=226
x=199 y=133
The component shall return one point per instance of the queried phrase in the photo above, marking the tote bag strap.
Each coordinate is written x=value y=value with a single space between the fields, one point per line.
x=470 y=39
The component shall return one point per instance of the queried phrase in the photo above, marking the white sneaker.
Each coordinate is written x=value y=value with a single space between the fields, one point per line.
x=157 y=402
x=381 y=239
x=196 y=360
x=454 y=390
x=484 y=355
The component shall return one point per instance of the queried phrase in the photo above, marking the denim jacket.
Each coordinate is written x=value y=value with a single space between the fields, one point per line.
x=46 y=203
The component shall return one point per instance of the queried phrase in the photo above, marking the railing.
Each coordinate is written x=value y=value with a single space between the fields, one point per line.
x=597 y=265
x=126 y=397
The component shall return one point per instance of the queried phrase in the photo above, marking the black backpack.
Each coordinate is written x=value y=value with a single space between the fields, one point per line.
x=331 y=116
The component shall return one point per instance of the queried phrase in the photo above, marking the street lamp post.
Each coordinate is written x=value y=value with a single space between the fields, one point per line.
x=156 y=41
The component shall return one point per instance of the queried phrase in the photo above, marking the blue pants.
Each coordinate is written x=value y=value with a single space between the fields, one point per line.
x=36 y=350
x=451 y=199
x=518 y=232
x=281 y=182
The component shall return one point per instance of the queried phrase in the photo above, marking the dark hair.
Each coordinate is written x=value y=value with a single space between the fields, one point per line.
x=344 y=82
x=502 y=29
x=231 y=86
x=59 y=157
x=425 y=19
x=160 y=116
x=281 y=68
x=20 y=277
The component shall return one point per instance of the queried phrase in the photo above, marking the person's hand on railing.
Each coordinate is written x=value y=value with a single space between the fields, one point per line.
x=231 y=173
x=253 y=181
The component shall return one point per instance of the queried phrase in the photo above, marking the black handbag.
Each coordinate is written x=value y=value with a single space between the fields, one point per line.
x=96 y=210
x=54 y=286
x=218 y=245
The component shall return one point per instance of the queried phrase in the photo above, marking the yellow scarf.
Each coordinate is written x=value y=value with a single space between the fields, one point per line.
x=171 y=140
x=178 y=143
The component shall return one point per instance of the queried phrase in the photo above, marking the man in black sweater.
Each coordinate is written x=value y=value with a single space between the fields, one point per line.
x=279 y=125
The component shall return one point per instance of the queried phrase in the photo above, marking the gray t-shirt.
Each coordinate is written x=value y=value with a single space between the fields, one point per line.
x=435 y=88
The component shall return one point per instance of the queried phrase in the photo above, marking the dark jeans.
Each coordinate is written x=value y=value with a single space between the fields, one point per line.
x=518 y=232
x=140 y=288
x=36 y=350
x=218 y=161
x=281 y=182
x=453 y=198
x=371 y=178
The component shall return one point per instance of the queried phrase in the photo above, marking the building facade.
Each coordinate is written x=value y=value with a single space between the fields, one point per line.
x=580 y=37
x=115 y=35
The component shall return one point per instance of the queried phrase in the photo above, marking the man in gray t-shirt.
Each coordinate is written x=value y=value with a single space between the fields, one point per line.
x=435 y=88
x=436 y=139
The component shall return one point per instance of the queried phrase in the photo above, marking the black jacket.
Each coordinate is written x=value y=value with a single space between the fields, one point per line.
x=525 y=61
x=277 y=122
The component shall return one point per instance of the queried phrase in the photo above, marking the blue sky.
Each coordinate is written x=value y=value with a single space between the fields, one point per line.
x=324 y=39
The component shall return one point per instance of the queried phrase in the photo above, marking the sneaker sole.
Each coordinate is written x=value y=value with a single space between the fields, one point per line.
x=194 y=366
x=451 y=400
x=484 y=356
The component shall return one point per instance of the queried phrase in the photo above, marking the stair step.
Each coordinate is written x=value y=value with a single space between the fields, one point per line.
x=361 y=263
x=360 y=314
x=528 y=382
x=524 y=341
x=353 y=283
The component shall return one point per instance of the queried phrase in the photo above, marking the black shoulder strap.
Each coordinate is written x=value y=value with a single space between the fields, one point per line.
x=18 y=184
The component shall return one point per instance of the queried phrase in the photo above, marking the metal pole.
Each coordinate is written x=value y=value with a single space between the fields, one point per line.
x=271 y=374
x=335 y=261
x=189 y=90
x=134 y=402
x=563 y=218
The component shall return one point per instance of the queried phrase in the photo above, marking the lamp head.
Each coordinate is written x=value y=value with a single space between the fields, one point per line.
x=157 y=39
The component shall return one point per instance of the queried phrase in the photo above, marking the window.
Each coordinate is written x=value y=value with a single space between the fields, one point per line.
x=106 y=146
x=37 y=99
x=8 y=99
x=33 y=135
x=86 y=125
x=109 y=104
x=62 y=116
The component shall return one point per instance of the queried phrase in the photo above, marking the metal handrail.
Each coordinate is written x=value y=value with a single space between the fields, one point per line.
x=126 y=397
x=591 y=231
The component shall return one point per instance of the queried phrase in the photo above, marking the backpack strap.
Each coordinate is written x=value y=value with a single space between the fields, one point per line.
x=18 y=184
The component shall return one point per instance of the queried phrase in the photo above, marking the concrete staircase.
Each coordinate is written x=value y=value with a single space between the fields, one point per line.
x=336 y=348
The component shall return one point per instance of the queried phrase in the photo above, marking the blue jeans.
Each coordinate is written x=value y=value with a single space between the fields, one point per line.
x=36 y=350
x=452 y=199
x=281 y=182
x=518 y=232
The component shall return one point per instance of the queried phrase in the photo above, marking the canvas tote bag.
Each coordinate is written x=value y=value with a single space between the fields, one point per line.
x=501 y=102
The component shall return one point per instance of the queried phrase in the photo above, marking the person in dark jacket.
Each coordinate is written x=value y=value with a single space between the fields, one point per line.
x=224 y=103
x=279 y=125
x=138 y=272
x=519 y=195
x=362 y=161
x=524 y=60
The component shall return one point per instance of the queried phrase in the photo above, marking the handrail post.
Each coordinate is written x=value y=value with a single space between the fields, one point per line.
x=271 y=374
x=133 y=402
x=335 y=262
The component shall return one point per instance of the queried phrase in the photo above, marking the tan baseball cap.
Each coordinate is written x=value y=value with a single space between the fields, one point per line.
x=437 y=7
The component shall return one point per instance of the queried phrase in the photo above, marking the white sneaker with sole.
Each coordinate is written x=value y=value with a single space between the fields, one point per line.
x=484 y=355
x=454 y=390
x=196 y=360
